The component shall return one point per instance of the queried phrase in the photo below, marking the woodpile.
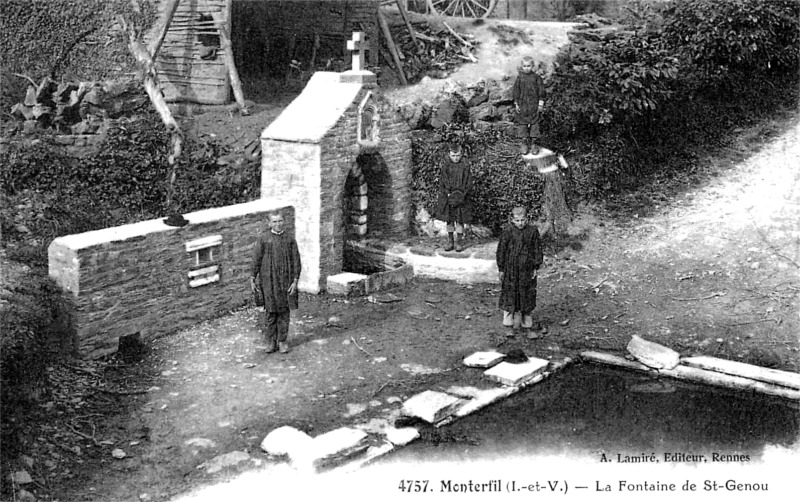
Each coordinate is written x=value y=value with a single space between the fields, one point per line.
x=596 y=29
x=428 y=51
x=75 y=107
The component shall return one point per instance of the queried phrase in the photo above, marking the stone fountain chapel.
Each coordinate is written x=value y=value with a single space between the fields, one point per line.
x=336 y=163
x=341 y=156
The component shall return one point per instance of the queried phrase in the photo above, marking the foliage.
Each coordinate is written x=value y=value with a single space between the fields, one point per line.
x=683 y=76
x=30 y=310
x=41 y=38
x=620 y=80
x=501 y=179
x=719 y=39
x=51 y=193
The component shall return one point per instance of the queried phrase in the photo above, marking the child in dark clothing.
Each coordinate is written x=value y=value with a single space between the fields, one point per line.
x=455 y=197
x=519 y=256
x=528 y=95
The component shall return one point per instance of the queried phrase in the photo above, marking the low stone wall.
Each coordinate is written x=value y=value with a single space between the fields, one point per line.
x=370 y=269
x=150 y=279
x=471 y=266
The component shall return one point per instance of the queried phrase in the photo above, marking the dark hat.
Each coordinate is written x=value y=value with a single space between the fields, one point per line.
x=455 y=147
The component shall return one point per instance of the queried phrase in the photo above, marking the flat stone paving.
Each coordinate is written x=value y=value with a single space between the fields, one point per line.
x=431 y=406
x=516 y=374
x=485 y=359
x=350 y=448
x=338 y=444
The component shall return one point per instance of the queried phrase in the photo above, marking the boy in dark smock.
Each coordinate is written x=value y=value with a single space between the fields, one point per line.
x=276 y=261
x=519 y=256
x=528 y=95
x=454 y=205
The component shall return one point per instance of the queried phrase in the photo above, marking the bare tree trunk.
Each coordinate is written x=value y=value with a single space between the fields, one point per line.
x=227 y=51
x=555 y=205
x=145 y=57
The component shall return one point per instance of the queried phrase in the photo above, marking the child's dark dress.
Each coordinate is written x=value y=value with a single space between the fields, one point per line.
x=519 y=253
x=455 y=187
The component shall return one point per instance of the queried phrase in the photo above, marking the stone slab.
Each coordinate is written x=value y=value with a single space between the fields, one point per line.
x=283 y=440
x=372 y=453
x=431 y=406
x=479 y=398
x=485 y=359
x=516 y=374
x=346 y=283
x=652 y=354
x=401 y=436
x=778 y=377
x=220 y=462
x=330 y=449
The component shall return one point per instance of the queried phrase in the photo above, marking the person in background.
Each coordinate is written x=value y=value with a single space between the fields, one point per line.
x=454 y=205
x=528 y=96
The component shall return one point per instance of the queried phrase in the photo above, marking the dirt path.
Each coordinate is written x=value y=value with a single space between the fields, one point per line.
x=714 y=271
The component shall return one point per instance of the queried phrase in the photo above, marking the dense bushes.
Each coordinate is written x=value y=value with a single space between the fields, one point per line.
x=691 y=70
x=48 y=193
x=500 y=177
x=718 y=39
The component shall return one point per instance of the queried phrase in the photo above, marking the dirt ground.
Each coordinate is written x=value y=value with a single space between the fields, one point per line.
x=708 y=266
x=714 y=271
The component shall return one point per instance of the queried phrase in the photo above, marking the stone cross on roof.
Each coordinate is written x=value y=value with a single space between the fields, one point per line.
x=358 y=45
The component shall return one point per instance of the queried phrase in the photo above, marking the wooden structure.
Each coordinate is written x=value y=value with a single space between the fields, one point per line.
x=462 y=8
x=192 y=64
x=528 y=10
x=274 y=38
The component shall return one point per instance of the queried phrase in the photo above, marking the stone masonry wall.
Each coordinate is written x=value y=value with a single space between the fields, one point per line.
x=136 y=278
x=339 y=156
x=307 y=154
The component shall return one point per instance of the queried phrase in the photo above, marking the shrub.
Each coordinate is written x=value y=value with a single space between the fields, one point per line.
x=620 y=81
x=720 y=39
x=650 y=102
x=500 y=177
x=27 y=314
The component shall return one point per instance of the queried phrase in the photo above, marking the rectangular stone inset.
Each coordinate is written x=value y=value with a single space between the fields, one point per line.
x=205 y=242
x=431 y=406
x=485 y=359
x=516 y=374
x=203 y=276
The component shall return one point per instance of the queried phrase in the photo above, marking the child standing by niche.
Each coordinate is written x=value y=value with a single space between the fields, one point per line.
x=528 y=95
x=455 y=202
x=519 y=256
